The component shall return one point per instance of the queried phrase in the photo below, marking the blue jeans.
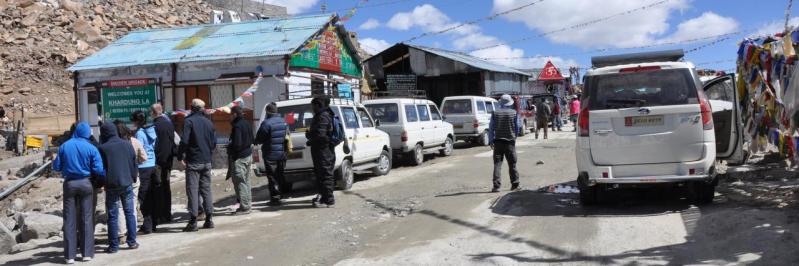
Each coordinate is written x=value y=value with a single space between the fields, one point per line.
x=112 y=198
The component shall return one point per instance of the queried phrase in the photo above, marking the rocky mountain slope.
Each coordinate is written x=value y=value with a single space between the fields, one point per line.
x=39 y=39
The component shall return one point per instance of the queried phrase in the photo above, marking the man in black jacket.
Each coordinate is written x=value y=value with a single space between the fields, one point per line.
x=119 y=161
x=165 y=149
x=239 y=152
x=196 y=147
x=322 y=152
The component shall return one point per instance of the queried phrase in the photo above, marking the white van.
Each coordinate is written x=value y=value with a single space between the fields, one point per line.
x=470 y=116
x=370 y=149
x=415 y=126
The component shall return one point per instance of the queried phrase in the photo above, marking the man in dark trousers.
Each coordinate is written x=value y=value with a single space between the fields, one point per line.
x=322 y=152
x=119 y=160
x=239 y=152
x=272 y=138
x=196 y=147
x=502 y=132
x=165 y=150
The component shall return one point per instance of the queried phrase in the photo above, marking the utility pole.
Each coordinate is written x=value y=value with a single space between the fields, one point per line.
x=788 y=15
x=323 y=6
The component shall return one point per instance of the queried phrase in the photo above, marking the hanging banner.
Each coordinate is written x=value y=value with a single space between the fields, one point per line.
x=120 y=98
x=326 y=52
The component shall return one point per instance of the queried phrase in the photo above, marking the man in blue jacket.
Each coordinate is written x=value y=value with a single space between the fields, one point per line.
x=119 y=160
x=149 y=180
x=77 y=160
x=272 y=137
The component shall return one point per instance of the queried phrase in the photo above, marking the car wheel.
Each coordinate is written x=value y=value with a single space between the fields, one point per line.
x=448 y=147
x=383 y=164
x=286 y=187
x=345 y=175
x=417 y=155
x=484 y=139
x=589 y=195
x=704 y=192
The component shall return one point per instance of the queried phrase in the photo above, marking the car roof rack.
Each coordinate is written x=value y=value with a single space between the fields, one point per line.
x=632 y=58
x=335 y=98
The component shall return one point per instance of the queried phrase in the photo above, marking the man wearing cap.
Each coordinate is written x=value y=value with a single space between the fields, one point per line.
x=502 y=134
x=196 y=147
x=272 y=138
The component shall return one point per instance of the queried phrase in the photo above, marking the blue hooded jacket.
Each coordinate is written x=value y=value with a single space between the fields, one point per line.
x=77 y=158
x=147 y=137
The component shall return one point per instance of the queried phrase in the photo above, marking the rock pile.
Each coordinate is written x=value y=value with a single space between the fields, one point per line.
x=39 y=39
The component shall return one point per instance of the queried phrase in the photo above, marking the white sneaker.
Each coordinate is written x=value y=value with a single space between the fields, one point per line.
x=70 y=261
x=86 y=259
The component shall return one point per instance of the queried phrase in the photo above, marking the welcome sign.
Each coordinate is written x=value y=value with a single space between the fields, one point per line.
x=120 y=98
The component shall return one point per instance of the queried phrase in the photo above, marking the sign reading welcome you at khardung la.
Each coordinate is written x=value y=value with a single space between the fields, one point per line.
x=120 y=98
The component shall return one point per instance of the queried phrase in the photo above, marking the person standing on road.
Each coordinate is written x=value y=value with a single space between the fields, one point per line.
x=196 y=149
x=272 y=138
x=77 y=160
x=574 y=111
x=503 y=129
x=324 y=156
x=165 y=150
x=141 y=156
x=542 y=114
x=119 y=161
x=557 y=123
x=149 y=180
x=239 y=152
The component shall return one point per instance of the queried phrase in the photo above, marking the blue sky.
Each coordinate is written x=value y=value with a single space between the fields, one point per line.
x=689 y=23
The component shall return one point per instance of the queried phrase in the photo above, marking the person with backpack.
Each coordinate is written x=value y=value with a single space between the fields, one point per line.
x=320 y=137
x=543 y=112
x=149 y=181
x=272 y=138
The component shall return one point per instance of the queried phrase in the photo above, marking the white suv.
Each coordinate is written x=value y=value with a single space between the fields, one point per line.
x=414 y=125
x=470 y=116
x=651 y=122
x=370 y=149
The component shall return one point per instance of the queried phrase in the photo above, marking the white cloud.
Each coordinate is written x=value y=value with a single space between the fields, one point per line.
x=293 y=6
x=708 y=24
x=370 y=24
x=374 y=46
x=634 y=29
x=776 y=27
x=500 y=54
x=425 y=16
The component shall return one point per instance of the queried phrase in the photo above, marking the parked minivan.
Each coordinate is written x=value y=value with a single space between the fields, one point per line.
x=647 y=119
x=415 y=126
x=370 y=149
x=470 y=117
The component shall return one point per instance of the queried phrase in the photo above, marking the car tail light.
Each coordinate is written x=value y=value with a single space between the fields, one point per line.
x=707 y=114
x=404 y=136
x=475 y=123
x=639 y=69
x=692 y=171
x=583 y=122
x=605 y=175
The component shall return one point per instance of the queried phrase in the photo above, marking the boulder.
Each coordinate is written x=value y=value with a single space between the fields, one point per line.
x=72 y=6
x=39 y=226
x=18 y=205
x=7 y=240
x=85 y=31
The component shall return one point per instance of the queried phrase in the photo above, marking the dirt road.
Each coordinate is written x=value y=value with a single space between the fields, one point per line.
x=442 y=214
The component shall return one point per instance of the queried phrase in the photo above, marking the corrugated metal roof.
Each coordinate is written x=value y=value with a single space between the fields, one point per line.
x=272 y=37
x=470 y=60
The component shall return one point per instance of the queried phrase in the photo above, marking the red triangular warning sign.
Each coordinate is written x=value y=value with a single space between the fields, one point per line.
x=550 y=72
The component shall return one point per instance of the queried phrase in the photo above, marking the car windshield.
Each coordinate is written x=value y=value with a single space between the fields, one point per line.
x=457 y=107
x=641 y=89
x=386 y=113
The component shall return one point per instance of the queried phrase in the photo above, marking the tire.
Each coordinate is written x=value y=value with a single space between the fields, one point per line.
x=589 y=195
x=287 y=187
x=383 y=164
x=448 y=147
x=704 y=192
x=416 y=157
x=483 y=139
x=344 y=176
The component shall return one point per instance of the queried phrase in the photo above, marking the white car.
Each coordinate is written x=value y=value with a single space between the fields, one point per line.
x=415 y=126
x=651 y=122
x=470 y=116
x=370 y=149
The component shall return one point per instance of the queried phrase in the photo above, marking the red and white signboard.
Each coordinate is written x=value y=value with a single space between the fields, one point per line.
x=550 y=72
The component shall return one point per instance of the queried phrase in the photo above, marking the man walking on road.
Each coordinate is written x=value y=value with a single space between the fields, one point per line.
x=542 y=114
x=272 y=138
x=119 y=160
x=503 y=129
x=324 y=156
x=196 y=147
x=165 y=150
x=239 y=152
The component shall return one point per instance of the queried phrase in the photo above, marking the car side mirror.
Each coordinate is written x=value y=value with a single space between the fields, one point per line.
x=377 y=122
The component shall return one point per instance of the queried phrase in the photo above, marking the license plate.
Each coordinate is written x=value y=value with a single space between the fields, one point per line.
x=643 y=121
x=457 y=125
x=294 y=155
